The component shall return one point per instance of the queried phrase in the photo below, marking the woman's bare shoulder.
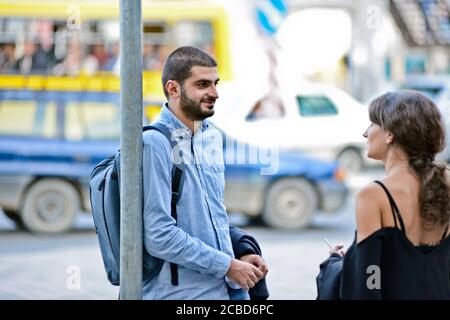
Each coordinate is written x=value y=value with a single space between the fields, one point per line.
x=370 y=192
x=368 y=203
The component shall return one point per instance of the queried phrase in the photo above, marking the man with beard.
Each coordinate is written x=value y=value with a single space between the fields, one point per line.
x=196 y=248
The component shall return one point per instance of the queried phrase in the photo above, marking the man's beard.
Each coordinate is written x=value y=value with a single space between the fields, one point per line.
x=191 y=108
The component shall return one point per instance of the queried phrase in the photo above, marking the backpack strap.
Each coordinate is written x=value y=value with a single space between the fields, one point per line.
x=163 y=130
x=176 y=181
x=395 y=212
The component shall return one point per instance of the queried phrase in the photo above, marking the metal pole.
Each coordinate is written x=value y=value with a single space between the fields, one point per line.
x=131 y=150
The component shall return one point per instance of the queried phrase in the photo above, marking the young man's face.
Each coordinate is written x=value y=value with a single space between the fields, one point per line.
x=199 y=93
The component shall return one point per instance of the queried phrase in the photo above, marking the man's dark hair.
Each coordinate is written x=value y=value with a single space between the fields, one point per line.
x=179 y=63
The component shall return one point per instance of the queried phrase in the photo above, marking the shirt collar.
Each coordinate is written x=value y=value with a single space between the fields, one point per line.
x=168 y=116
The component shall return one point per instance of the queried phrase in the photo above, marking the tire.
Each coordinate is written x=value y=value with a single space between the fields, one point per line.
x=290 y=204
x=350 y=160
x=50 y=206
x=14 y=216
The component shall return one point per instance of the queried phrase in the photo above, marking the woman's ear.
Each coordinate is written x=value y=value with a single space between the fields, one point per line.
x=173 y=89
x=389 y=138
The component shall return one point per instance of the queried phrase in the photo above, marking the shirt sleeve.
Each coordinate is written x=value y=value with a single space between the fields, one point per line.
x=162 y=238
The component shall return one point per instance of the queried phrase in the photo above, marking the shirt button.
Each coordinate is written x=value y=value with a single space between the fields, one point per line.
x=206 y=195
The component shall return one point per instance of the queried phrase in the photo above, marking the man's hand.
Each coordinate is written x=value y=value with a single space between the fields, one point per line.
x=243 y=273
x=257 y=261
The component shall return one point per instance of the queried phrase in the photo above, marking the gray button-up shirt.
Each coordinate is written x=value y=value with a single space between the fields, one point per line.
x=199 y=241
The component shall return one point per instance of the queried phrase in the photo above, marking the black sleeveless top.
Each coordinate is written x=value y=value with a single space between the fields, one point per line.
x=386 y=265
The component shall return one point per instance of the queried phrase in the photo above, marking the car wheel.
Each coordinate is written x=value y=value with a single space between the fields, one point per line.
x=290 y=204
x=14 y=216
x=50 y=206
x=350 y=160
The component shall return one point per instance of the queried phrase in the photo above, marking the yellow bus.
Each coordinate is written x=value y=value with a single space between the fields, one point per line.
x=73 y=45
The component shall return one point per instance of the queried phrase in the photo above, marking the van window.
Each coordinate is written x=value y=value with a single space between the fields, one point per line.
x=92 y=121
x=310 y=106
x=28 y=118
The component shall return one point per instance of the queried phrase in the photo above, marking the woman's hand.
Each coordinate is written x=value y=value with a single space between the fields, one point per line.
x=337 y=249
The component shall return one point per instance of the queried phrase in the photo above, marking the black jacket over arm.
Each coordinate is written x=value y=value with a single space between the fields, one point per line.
x=243 y=244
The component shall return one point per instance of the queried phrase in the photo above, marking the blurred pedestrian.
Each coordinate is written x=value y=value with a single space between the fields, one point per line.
x=33 y=60
x=7 y=57
x=71 y=64
x=401 y=248
x=113 y=63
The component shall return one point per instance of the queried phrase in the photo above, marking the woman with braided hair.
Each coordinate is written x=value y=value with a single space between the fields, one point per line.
x=401 y=248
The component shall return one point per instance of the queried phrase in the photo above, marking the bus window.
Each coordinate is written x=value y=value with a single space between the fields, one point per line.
x=195 y=33
x=92 y=121
x=48 y=40
x=28 y=118
x=33 y=41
